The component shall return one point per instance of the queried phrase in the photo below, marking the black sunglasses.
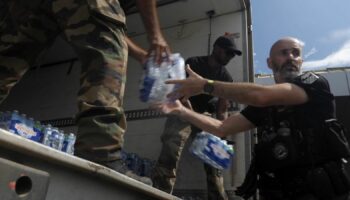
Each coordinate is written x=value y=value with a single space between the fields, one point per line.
x=230 y=53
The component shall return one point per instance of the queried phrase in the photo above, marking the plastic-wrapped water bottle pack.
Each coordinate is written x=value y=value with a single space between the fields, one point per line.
x=212 y=150
x=140 y=166
x=28 y=128
x=152 y=88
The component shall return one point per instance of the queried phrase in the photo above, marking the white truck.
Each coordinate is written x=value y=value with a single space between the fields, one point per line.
x=48 y=93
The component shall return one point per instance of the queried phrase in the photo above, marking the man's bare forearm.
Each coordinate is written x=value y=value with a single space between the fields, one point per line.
x=245 y=93
x=136 y=51
x=149 y=15
x=204 y=122
x=261 y=95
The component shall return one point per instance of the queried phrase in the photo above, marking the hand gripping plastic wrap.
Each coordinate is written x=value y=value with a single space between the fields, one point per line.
x=153 y=88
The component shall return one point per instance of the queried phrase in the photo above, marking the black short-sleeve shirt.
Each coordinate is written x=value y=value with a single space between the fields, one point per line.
x=200 y=66
x=319 y=107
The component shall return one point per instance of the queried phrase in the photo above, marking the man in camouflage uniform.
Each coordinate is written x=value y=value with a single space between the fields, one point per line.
x=177 y=131
x=96 y=31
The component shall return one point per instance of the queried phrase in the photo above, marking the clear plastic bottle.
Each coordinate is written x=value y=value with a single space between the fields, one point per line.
x=46 y=139
x=177 y=69
x=38 y=129
x=29 y=124
x=54 y=138
x=4 y=122
x=12 y=119
x=57 y=139
x=23 y=117
x=72 y=138
x=60 y=140
x=160 y=89
x=148 y=79
x=68 y=143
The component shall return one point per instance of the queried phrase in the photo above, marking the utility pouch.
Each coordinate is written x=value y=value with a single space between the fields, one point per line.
x=278 y=153
x=320 y=183
x=334 y=137
x=278 y=149
x=338 y=176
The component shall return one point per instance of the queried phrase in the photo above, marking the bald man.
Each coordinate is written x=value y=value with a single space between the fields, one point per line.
x=295 y=157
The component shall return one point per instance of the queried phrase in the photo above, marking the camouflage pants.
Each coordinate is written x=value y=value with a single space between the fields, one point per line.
x=174 y=137
x=95 y=30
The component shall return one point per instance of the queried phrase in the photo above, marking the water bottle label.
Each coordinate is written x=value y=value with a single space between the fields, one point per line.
x=218 y=151
x=212 y=150
x=24 y=131
x=146 y=89
x=19 y=127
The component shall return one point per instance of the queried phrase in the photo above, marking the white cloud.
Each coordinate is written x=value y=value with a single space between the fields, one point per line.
x=311 y=52
x=338 y=35
x=341 y=58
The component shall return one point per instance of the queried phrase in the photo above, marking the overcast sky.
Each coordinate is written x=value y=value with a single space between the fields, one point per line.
x=323 y=25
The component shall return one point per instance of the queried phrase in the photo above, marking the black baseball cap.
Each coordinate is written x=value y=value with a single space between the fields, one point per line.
x=227 y=42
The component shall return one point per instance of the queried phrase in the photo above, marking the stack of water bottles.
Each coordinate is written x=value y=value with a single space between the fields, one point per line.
x=140 y=166
x=28 y=128
x=152 y=88
x=57 y=139
x=212 y=150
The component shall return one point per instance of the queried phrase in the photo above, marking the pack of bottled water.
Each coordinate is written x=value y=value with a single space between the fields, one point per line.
x=152 y=88
x=21 y=125
x=212 y=150
x=57 y=139
x=140 y=166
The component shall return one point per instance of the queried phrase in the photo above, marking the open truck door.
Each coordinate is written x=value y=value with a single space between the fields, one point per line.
x=48 y=93
x=191 y=27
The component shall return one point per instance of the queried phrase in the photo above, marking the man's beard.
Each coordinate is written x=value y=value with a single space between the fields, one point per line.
x=287 y=72
x=221 y=61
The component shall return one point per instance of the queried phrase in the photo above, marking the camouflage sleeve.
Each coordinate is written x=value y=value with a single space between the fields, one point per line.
x=108 y=8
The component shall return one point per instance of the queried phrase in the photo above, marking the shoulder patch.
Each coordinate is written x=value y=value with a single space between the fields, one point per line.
x=308 y=77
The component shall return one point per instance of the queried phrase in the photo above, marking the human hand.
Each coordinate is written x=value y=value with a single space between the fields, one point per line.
x=160 y=48
x=187 y=104
x=149 y=15
x=142 y=58
x=168 y=108
x=188 y=87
